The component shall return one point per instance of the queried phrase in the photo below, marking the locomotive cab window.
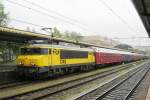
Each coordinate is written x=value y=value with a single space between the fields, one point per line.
x=34 y=51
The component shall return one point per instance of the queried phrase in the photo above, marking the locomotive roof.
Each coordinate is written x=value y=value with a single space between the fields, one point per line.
x=59 y=46
x=106 y=50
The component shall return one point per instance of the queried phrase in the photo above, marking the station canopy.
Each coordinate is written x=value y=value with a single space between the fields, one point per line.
x=21 y=36
x=15 y=35
x=143 y=8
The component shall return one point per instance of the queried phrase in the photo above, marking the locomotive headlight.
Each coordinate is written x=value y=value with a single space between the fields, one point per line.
x=31 y=63
x=21 y=63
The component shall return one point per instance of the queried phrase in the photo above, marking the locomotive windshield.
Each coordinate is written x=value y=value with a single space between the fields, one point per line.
x=34 y=51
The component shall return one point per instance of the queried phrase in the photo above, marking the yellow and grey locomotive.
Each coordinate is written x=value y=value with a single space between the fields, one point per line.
x=35 y=60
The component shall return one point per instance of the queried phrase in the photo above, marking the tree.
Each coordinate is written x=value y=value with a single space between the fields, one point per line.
x=9 y=50
x=73 y=36
x=67 y=35
x=124 y=46
x=3 y=16
x=56 y=33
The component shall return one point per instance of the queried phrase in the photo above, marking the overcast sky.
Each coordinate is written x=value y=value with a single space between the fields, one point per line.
x=108 y=18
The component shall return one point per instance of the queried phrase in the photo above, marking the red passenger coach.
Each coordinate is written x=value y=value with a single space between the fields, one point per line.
x=107 y=56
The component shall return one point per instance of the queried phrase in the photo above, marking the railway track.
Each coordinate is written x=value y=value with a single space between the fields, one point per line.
x=12 y=84
x=52 y=90
x=17 y=82
x=140 y=93
x=120 y=89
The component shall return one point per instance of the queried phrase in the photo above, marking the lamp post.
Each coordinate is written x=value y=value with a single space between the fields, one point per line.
x=48 y=30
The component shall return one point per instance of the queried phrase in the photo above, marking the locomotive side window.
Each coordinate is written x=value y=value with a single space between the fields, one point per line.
x=68 y=54
x=33 y=51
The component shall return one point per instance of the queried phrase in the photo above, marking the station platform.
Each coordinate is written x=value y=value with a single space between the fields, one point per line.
x=7 y=67
x=7 y=72
x=148 y=94
x=148 y=91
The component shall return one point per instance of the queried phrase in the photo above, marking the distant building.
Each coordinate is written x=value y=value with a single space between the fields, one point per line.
x=99 y=40
x=144 y=49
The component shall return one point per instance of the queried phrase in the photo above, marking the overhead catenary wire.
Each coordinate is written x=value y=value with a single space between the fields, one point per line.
x=46 y=14
x=117 y=15
x=60 y=19
x=131 y=38
x=35 y=10
x=54 y=12
x=26 y=22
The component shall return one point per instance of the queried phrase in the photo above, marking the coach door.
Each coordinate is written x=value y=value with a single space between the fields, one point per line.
x=50 y=57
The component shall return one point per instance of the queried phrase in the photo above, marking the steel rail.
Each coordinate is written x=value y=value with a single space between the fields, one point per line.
x=97 y=76
x=105 y=92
